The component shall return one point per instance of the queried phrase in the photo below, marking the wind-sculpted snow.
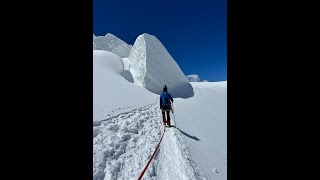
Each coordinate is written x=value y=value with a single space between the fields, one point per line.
x=111 y=43
x=152 y=67
x=111 y=89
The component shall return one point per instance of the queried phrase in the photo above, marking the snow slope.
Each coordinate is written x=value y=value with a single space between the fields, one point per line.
x=127 y=126
x=118 y=118
x=111 y=43
x=152 y=67
x=110 y=88
x=203 y=121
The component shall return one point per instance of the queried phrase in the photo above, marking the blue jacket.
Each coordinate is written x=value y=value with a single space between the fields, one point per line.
x=165 y=98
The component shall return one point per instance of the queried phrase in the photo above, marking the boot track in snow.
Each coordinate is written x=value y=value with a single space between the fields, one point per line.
x=123 y=144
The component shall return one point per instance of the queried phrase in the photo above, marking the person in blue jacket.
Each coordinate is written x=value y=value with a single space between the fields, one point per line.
x=165 y=105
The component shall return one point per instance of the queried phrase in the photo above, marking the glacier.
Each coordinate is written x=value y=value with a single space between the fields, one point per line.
x=127 y=122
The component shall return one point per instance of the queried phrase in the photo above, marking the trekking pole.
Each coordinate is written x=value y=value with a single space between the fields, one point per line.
x=175 y=122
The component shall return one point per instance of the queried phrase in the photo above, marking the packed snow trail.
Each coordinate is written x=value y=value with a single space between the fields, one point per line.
x=173 y=160
x=123 y=144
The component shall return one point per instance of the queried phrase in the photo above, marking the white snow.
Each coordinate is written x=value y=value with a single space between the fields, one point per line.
x=203 y=120
x=111 y=43
x=152 y=67
x=127 y=126
x=193 y=78
x=111 y=90
x=125 y=63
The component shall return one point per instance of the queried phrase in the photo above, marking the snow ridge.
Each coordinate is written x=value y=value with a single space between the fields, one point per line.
x=111 y=43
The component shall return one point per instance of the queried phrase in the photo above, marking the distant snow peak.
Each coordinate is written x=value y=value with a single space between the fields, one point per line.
x=152 y=67
x=193 y=78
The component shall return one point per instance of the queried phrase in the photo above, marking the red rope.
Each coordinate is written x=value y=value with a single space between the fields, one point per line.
x=145 y=168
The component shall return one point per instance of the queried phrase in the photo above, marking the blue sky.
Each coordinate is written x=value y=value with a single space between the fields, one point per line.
x=193 y=32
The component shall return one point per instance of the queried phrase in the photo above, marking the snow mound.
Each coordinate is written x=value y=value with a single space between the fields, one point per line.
x=112 y=93
x=107 y=60
x=193 y=78
x=152 y=67
x=111 y=43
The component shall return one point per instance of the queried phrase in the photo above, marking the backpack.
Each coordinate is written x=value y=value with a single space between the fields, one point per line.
x=166 y=99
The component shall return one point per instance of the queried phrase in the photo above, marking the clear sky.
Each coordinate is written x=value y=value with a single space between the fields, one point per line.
x=193 y=32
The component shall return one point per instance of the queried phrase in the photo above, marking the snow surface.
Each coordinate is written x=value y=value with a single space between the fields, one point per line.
x=203 y=120
x=127 y=126
x=193 y=78
x=152 y=67
x=125 y=63
x=110 y=88
x=111 y=43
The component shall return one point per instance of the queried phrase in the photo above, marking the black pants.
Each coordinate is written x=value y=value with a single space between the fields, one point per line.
x=165 y=109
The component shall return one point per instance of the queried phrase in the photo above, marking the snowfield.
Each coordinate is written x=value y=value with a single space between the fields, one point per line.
x=203 y=119
x=127 y=121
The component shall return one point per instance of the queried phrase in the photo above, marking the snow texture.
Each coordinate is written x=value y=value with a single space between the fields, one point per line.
x=111 y=43
x=152 y=67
